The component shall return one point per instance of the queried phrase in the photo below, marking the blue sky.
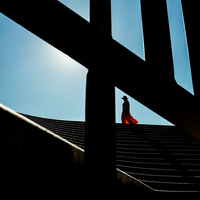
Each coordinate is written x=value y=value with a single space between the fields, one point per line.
x=37 y=79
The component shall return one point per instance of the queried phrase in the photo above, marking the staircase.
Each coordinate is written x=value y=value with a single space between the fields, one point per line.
x=163 y=157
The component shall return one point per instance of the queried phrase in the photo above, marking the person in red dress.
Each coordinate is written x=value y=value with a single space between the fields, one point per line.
x=126 y=116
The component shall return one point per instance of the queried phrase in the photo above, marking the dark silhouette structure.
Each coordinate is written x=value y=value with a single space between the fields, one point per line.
x=100 y=78
x=91 y=44
x=65 y=30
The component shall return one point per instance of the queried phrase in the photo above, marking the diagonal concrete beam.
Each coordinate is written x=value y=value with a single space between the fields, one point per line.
x=54 y=23
x=68 y=32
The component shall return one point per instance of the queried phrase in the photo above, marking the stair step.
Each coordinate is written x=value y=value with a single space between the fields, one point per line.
x=163 y=157
x=173 y=186
x=166 y=178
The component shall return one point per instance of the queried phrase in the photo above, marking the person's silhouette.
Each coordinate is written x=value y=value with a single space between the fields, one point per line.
x=126 y=116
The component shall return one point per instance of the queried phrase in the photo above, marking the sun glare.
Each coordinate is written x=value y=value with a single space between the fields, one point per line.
x=58 y=59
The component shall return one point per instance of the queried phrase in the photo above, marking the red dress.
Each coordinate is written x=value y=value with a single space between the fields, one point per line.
x=128 y=119
x=126 y=116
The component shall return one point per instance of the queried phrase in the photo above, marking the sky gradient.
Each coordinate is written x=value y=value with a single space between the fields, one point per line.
x=38 y=79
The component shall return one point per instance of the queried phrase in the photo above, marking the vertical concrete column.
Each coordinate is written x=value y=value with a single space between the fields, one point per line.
x=191 y=17
x=100 y=108
x=100 y=15
x=157 y=43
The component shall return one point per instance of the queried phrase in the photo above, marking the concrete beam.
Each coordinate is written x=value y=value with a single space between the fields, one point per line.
x=100 y=15
x=157 y=43
x=191 y=17
x=100 y=106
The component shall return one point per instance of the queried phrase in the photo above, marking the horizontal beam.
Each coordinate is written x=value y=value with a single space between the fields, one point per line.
x=71 y=34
